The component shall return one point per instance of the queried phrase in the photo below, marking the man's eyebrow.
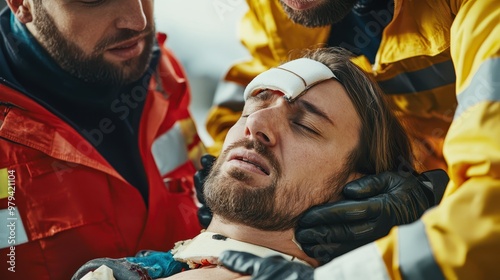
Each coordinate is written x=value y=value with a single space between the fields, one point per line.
x=313 y=109
x=262 y=95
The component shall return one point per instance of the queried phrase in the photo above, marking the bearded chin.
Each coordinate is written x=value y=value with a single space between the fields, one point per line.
x=326 y=13
x=229 y=197
x=92 y=68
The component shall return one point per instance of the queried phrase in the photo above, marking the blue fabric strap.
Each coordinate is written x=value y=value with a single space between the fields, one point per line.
x=158 y=264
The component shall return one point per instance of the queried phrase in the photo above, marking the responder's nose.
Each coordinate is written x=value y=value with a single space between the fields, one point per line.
x=262 y=126
x=132 y=16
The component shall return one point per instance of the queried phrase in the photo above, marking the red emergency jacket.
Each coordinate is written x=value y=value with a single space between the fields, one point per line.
x=62 y=204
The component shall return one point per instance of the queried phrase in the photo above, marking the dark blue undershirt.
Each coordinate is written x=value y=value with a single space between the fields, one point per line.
x=361 y=30
x=98 y=113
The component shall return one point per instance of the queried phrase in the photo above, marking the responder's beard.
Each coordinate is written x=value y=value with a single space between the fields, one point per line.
x=92 y=68
x=326 y=13
x=275 y=207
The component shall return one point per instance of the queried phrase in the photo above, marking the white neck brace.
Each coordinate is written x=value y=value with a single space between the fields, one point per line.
x=205 y=249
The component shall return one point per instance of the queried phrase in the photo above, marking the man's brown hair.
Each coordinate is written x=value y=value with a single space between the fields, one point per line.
x=384 y=144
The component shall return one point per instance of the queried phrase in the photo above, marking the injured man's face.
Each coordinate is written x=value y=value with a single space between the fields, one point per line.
x=284 y=155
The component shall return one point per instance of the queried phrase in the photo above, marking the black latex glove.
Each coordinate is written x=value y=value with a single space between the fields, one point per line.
x=274 y=267
x=122 y=269
x=372 y=206
x=204 y=213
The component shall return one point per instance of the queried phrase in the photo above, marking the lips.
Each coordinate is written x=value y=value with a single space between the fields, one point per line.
x=128 y=49
x=251 y=158
x=126 y=44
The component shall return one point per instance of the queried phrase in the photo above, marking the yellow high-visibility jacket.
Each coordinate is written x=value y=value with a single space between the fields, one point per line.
x=432 y=53
x=413 y=66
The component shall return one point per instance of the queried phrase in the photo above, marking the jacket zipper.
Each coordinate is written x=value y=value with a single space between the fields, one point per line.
x=6 y=109
x=7 y=106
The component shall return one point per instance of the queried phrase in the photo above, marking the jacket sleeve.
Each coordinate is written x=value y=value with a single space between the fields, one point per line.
x=265 y=32
x=460 y=238
x=178 y=130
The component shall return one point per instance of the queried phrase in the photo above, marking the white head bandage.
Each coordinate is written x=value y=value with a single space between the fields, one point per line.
x=293 y=78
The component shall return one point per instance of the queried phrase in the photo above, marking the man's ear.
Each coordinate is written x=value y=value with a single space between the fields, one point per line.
x=21 y=9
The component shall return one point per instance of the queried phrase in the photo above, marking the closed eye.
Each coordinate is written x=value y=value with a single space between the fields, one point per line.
x=305 y=128
x=92 y=3
x=257 y=102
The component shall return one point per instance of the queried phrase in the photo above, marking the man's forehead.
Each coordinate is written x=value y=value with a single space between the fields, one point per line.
x=293 y=78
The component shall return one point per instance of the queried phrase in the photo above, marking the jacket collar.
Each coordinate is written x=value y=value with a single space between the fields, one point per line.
x=27 y=123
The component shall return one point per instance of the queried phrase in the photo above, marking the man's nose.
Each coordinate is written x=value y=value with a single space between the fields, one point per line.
x=263 y=126
x=132 y=16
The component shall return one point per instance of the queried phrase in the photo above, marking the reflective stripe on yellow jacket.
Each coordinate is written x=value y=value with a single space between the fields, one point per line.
x=460 y=238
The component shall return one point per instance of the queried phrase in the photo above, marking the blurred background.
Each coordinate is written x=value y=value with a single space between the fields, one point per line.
x=203 y=35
